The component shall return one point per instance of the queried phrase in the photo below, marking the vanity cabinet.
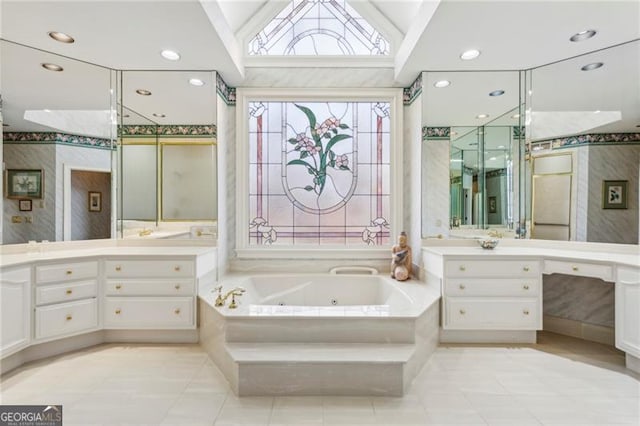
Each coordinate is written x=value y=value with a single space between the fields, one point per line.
x=627 y=310
x=65 y=299
x=15 y=309
x=149 y=294
x=491 y=294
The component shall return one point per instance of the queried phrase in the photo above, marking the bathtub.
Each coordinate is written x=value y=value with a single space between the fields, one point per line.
x=327 y=295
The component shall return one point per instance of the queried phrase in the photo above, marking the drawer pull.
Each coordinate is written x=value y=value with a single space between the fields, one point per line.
x=462 y=268
x=176 y=268
x=118 y=311
x=69 y=291
x=177 y=286
x=526 y=286
x=69 y=272
x=118 y=286
x=575 y=268
x=462 y=287
x=462 y=312
x=177 y=311
x=69 y=317
x=526 y=312
x=526 y=269
x=118 y=268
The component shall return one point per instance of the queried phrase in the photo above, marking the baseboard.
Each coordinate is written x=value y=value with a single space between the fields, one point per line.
x=151 y=336
x=632 y=363
x=487 y=336
x=579 y=330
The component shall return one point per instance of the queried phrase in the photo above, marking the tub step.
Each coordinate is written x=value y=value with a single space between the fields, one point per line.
x=322 y=369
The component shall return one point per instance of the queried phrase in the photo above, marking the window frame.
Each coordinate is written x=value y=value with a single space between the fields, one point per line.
x=244 y=98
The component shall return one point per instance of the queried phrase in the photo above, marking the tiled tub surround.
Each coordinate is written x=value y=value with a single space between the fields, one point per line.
x=373 y=345
x=481 y=288
x=58 y=297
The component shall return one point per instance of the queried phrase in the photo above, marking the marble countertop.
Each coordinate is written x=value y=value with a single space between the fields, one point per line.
x=621 y=258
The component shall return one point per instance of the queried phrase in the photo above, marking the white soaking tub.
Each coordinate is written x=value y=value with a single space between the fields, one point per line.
x=303 y=334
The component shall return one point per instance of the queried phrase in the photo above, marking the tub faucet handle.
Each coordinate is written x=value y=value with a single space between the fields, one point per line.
x=219 y=300
x=233 y=303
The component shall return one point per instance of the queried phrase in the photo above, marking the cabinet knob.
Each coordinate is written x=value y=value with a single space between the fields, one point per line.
x=177 y=311
x=69 y=272
x=118 y=268
x=118 y=286
x=526 y=286
x=526 y=269
x=118 y=311
x=177 y=286
x=462 y=287
x=575 y=268
x=462 y=268
x=69 y=317
x=69 y=291
x=462 y=312
x=525 y=311
x=176 y=268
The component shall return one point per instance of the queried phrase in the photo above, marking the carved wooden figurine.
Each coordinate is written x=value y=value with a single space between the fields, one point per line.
x=401 y=259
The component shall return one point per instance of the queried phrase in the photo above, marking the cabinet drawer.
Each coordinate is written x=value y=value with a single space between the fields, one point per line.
x=628 y=275
x=178 y=287
x=56 y=293
x=149 y=312
x=149 y=268
x=492 y=314
x=492 y=287
x=65 y=318
x=66 y=272
x=604 y=272
x=492 y=268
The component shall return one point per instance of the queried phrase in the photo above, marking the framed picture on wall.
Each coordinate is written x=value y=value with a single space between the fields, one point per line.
x=25 y=205
x=493 y=205
x=614 y=194
x=95 y=201
x=23 y=183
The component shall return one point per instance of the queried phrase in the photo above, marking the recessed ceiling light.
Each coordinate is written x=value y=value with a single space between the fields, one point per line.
x=592 y=66
x=515 y=116
x=470 y=54
x=143 y=92
x=61 y=37
x=493 y=159
x=52 y=67
x=47 y=110
x=196 y=82
x=596 y=111
x=442 y=83
x=501 y=147
x=497 y=93
x=170 y=55
x=155 y=114
x=583 y=35
x=482 y=116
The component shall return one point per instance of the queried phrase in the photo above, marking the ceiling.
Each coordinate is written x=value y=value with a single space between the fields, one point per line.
x=428 y=35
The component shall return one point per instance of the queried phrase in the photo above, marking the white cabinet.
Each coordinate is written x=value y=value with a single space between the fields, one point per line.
x=582 y=269
x=150 y=294
x=628 y=310
x=491 y=294
x=65 y=299
x=15 y=310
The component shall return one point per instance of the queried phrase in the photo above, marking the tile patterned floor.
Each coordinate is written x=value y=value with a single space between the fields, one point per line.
x=559 y=381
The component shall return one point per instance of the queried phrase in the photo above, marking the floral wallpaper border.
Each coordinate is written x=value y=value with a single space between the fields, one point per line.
x=227 y=92
x=588 y=139
x=56 y=138
x=409 y=94
x=435 y=133
x=172 y=130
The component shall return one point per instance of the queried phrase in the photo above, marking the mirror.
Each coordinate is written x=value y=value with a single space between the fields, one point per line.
x=167 y=155
x=58 y=132
x=477 y=115
x=582 y=132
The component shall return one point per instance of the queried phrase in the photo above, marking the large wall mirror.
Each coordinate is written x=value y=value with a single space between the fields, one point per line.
x=479 y=115
x=167 y=154
x=59 y=132
x=583 y=138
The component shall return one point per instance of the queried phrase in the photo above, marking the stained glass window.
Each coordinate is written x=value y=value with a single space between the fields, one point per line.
x=319 y=173
x=318 y=27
